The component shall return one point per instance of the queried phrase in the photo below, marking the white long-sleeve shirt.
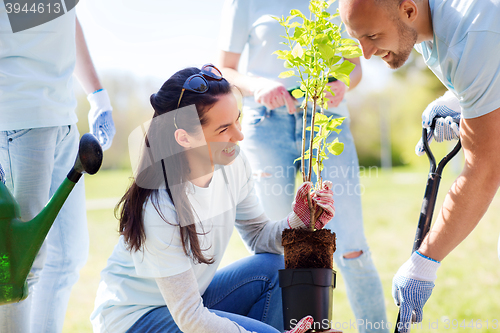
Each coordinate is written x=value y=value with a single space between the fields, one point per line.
x=130 y=282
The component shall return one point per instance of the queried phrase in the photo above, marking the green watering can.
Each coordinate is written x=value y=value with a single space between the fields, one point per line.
x=20 y=241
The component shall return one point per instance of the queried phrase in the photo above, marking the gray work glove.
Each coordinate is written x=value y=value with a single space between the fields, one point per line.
x=448 y=112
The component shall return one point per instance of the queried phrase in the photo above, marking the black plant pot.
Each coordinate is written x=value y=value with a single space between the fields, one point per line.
x=307 y=291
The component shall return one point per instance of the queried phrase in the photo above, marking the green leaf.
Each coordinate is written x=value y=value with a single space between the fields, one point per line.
x=288 y=64
x=336 y=147
x=297 y=12
x=298 y=32
x=316 y=128
x=336 y=59
x=334 y=123
x=326 y=51
x=347 y=41
x=320 y=119
x=343 y=78
x=282 y=54
x=297 y=51
x=287 y=21
x=321 y=38
x=350 y=51
x=294 y=25
x=286 y=74
x=297 y=93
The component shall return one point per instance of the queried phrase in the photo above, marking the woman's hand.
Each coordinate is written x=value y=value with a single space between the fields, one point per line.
x=322 y=201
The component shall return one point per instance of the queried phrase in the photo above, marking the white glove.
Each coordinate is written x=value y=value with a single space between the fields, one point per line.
x=2 y=175
x=100 y=119
x=448 y=109
x=411 y=288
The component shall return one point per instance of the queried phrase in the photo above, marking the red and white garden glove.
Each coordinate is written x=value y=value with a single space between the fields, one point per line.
x=300 y=217
x=303 y=325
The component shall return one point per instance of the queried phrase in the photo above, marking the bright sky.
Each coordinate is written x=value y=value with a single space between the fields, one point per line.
x=150 y=37
x=155 y=38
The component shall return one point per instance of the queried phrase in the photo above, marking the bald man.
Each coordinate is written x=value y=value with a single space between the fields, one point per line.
x=460 y=43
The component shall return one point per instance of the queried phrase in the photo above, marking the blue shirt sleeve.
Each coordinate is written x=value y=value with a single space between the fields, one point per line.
x=477 y=75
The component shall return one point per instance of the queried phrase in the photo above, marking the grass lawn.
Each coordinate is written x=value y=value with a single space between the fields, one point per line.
x=468 y=283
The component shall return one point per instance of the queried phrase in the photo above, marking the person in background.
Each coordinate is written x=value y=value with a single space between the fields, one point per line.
x=192 y=188
x=272 y=124
x=459 y=41
x=38 y=146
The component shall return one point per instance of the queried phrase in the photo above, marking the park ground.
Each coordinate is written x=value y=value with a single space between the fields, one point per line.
x=468 y=284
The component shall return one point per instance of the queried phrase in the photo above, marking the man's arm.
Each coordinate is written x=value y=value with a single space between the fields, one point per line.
x=84 y=69
x=472 y=192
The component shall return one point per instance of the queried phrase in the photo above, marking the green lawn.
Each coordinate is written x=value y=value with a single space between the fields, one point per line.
x=468 y=281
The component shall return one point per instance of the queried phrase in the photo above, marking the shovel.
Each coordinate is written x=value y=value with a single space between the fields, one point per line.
x=431 y=190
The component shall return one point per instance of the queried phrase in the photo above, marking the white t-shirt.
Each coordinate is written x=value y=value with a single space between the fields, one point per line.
x=128 y=288
x=465 y=52
x=36 y=73
x=249 y=23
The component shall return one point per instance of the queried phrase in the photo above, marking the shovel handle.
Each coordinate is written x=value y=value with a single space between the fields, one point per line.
x=438 y=169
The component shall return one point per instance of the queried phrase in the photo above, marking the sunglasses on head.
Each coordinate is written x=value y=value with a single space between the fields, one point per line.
x=198 y=82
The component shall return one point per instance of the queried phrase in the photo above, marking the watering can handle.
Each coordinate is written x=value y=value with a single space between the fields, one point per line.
x=89 y=158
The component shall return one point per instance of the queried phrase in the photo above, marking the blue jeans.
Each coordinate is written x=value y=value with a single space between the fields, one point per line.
x=36 y=161
x=246 y=292
x=273 y=140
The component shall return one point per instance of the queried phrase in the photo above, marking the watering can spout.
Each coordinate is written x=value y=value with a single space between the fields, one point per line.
x=20 y=241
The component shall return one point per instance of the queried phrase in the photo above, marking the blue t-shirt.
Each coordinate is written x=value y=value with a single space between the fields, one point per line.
x=465 y=52
x=36 y=69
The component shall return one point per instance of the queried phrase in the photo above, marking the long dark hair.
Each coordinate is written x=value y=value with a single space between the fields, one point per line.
x=130 y=208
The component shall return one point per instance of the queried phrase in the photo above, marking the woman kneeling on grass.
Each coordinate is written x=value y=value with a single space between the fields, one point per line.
x=193 y=186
